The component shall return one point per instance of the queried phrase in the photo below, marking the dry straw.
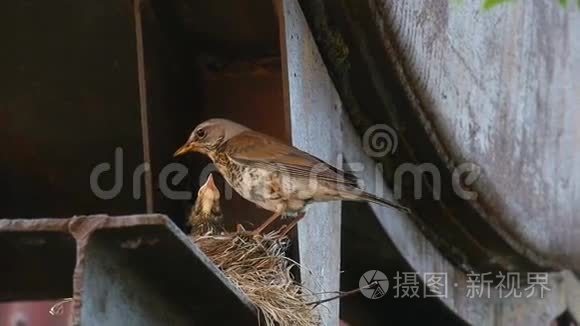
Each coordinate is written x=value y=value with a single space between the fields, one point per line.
x=259 y=267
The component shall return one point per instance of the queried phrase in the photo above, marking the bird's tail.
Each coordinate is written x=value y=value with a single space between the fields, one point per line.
x=384 y=202
x=365 y=196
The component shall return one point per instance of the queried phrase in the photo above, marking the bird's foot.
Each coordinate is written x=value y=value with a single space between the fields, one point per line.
x=240 y=228
x=241 y=231
x=255 y=233
x=292 y=214
x=292 y=225
x=284 y=230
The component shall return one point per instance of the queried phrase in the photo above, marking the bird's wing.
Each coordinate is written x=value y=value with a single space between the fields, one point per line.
x=259 y=150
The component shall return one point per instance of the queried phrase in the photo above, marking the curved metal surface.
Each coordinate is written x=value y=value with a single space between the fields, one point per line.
x=461 y=85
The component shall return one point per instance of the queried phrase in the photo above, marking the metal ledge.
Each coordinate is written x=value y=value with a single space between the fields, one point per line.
x=130 y=270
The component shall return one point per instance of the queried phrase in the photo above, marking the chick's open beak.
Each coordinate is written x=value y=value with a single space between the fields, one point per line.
x=186 y=148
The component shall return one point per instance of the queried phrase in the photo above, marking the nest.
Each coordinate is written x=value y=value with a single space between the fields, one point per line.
x=259 y=267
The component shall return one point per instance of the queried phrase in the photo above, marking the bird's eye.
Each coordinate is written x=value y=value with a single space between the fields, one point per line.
x=200 y=134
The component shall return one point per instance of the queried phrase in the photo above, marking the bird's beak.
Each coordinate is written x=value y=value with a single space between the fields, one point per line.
x=186 y=148
x=209 y=183
x=209 y=188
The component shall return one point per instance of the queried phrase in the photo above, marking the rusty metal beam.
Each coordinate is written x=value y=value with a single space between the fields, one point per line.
x=129 y=270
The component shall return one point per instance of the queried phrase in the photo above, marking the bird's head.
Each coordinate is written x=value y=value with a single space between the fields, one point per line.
x=207 y=207
x=209 y=135
x=208 y=195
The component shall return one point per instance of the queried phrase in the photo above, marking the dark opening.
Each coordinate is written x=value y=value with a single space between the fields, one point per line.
x=71 y=100
x=366 y=247
x=76 y=97
x=209 y=59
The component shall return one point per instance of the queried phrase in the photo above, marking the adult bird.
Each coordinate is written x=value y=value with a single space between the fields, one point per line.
x=275 y=176
x=206 y=215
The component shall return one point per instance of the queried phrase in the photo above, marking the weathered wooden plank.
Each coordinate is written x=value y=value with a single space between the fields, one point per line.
x=351 y=32
x=313 y=104
x=502 y=90
x=377 y=90
x=425 y=258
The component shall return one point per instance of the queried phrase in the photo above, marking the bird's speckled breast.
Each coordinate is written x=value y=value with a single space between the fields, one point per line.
x=262 y=187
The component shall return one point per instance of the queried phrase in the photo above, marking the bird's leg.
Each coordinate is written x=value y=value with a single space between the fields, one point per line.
x=264 y=225
x=290 y=226
x=240 y=228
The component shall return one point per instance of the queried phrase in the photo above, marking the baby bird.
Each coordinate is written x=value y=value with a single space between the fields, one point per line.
x=206 y=215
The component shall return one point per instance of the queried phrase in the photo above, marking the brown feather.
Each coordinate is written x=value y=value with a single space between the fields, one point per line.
x=256 y=149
